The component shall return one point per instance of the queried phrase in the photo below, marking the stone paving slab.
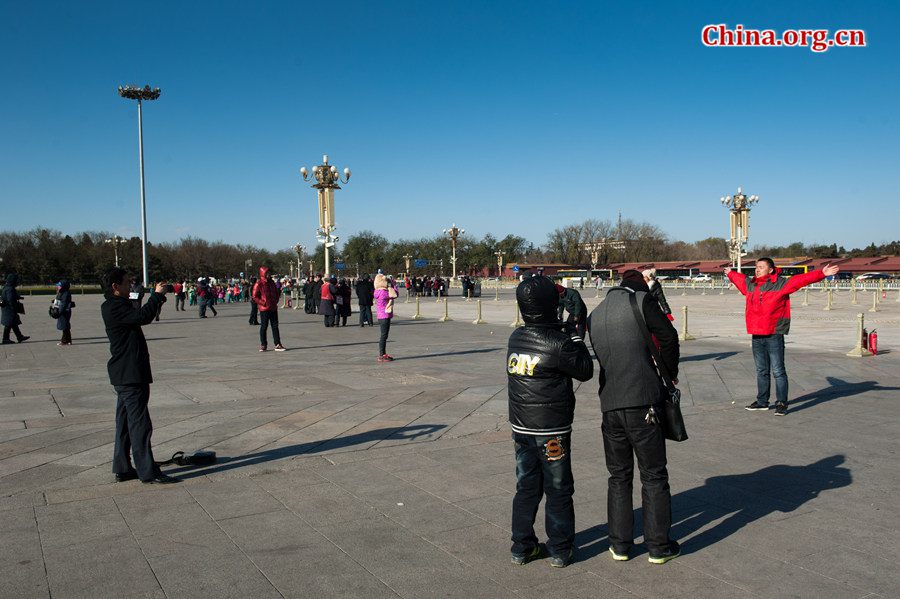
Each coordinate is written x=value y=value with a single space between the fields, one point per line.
x=340 y=477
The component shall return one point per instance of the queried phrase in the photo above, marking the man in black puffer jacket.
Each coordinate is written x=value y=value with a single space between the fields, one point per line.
x=542 y=359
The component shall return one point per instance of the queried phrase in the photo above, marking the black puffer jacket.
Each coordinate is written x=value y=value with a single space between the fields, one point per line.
x=542 y=359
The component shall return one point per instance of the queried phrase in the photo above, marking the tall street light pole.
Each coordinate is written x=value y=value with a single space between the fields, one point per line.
x=739 y=216
x=298 y=249
x=115 y=240
x=326 y=181
x=499 y=254
x=131 y=92
x=453 y=233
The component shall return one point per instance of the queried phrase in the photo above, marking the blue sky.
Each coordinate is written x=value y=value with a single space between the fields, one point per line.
x=503 y=117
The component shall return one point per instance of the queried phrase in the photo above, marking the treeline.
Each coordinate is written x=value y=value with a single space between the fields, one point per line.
x=43 y=256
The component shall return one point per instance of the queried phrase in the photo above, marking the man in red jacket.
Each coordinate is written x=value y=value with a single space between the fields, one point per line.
x=265 y=294
x=768 y=315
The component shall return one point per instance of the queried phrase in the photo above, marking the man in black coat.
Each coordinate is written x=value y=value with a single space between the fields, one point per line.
x=254 y=309
x=129 y=373
x=631 y=392
x=365 y=296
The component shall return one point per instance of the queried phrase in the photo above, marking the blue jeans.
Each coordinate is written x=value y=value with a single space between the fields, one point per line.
x=538 y=475
x=768 y=353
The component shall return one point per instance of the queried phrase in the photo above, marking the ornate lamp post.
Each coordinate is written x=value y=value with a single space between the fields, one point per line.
x=453 y=233
x=326 y=181
x=247 y=264
x=115 y=240
x=298 y=249
x=595 y=247
x=140 y=94
x=499 y=254
x=739 y=217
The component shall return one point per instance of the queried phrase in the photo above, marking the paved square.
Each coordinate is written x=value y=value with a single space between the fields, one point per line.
x=342 y=477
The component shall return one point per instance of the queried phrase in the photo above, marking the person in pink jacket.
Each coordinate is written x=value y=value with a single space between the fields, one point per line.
x=385 y=293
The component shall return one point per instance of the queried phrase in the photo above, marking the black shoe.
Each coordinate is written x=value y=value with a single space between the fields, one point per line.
x=7 y=342
x=522 y=559
x=561 y=561
x=24 y=339
x=781 y=409
x=670 y=553
x=161 y=479
x=755 y=406
x=122 y=477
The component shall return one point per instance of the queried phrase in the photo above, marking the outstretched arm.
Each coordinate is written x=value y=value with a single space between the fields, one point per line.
x=737 y=279
x=802 y=280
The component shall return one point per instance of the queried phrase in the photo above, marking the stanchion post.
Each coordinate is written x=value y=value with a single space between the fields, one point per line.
x=418 y=314
x=407 y=296
x=828 y=300
x=479 y=319
x=518 y=321
x=853 y=293
x=874 y=307
x=859 y=351
x=685 y=336
x=805 y=296
x=446 y=316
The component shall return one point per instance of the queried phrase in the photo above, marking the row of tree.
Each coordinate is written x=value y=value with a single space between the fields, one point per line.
x=44 y=256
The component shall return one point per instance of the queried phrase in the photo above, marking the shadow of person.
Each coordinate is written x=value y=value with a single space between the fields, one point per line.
x=411 y=433
x=717 y=356
x=837 y=388
x=733 y=500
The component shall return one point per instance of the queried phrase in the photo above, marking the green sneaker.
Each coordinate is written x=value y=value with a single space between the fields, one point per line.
x=561 y=561
x=670 y=553
x=521 y=560
x=619 y=557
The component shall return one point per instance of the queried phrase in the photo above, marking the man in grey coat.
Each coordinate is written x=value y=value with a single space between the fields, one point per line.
x=630 y=392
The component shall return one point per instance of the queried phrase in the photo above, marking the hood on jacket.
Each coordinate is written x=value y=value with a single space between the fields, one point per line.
x=634 y=280
x=381 y=281
x=538 y=299
x=12 y=279
x=775 y=273
x=560 y=289
x=263 y=273
x=63 y=285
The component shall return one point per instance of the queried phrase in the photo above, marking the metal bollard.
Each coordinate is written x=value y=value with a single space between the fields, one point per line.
x=722 y=289
x=805 y=296
x=853 y=292
x=418 y=314
x=446 y=316
x=898 y=296
x=479 y=319
x=704 y=290
x=874 y=307
x=859 y=351
x=828 y=300
x=497 y=292
x=469 y=296
x=407 y=297
x=518 y=321
x=685 y=336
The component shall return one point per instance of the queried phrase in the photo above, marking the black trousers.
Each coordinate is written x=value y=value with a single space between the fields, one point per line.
x=133 y=431
x=625 y=435
x=365 y=315
x=267 y=317
x=67 y=335
x=179 y=301
x=385 y=331
x=15 y=329
x=254 y=310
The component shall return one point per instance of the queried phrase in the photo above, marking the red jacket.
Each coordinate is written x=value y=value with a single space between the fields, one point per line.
x=768 y=309
x=265 y=293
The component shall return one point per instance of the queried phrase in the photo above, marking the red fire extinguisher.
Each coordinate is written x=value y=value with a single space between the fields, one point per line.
x=873 y=342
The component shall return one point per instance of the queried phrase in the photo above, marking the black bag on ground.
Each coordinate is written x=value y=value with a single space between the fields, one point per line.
x=198 y=458
x=672 y=419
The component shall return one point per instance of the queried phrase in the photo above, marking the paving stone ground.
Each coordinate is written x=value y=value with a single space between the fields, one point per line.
x=342 y=477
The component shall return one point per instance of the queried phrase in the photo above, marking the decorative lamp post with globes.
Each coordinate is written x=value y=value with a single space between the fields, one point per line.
x=131 y=92
x=298 y=249
x=499 y=254
x=453 y=233
x=326 y=179
x=115 y=240
x=739 y=217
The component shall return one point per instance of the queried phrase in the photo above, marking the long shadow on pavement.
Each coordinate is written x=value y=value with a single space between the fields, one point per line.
x=716 y=356
x=838 y=388
x=451 y=353
x=229 y=463
x=736 y=500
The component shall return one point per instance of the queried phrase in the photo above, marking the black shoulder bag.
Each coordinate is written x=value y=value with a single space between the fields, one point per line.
x=672 y=420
